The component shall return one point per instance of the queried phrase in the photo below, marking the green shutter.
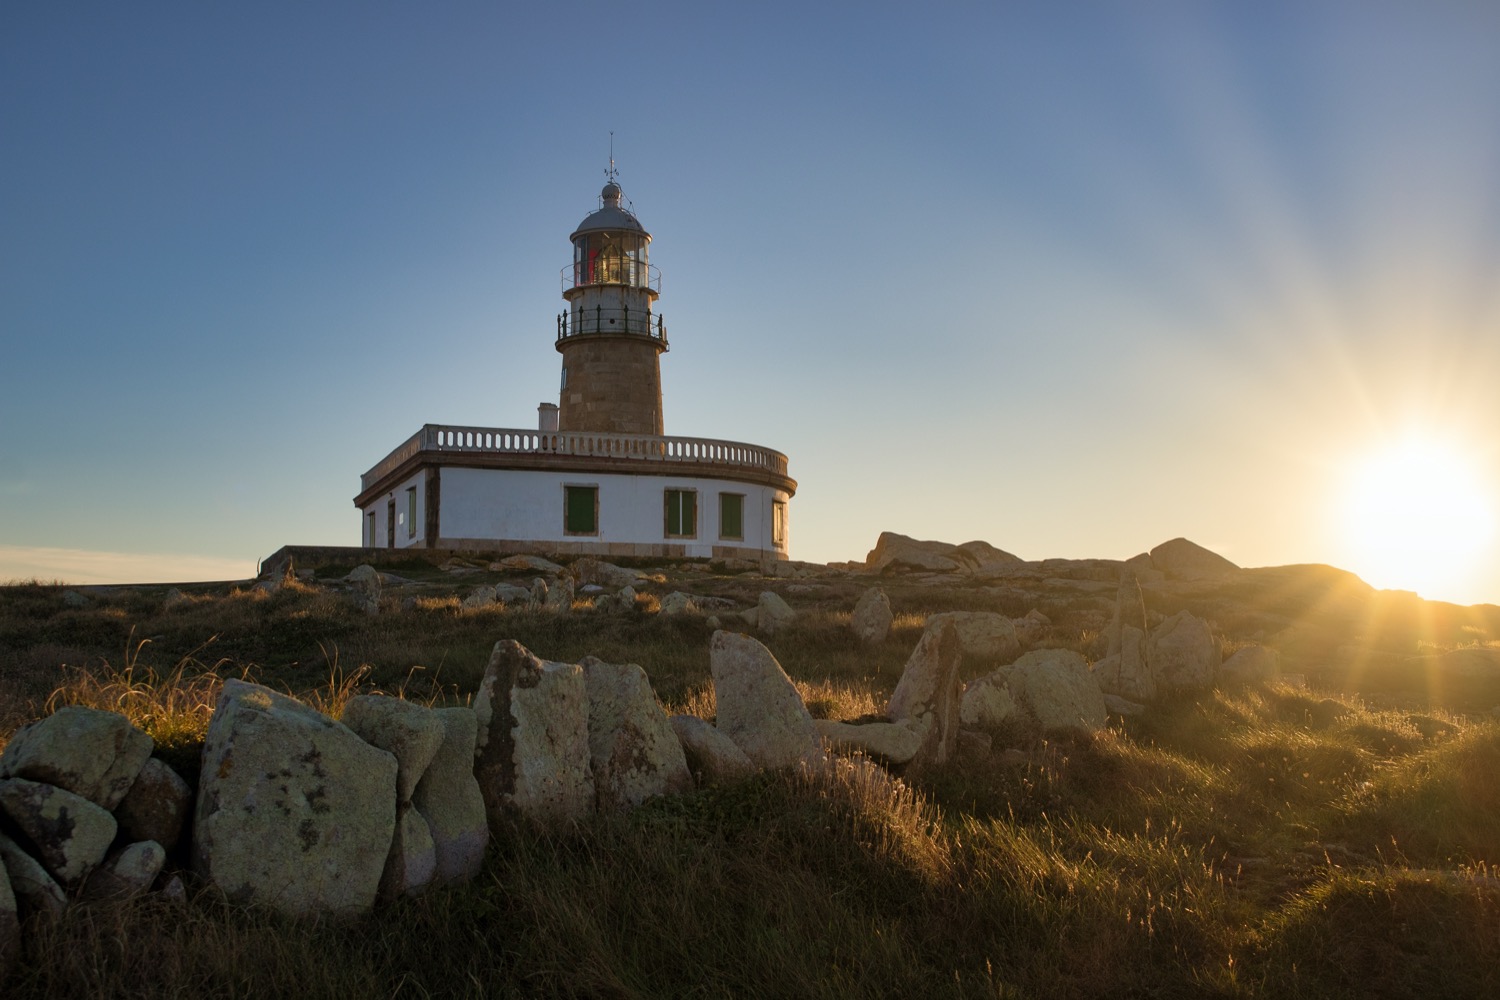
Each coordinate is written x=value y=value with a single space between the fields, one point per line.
x=579 y=509
x=680 y=509
x=731 y=515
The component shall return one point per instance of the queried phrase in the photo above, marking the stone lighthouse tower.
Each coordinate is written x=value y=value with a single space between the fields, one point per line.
x=610 y=339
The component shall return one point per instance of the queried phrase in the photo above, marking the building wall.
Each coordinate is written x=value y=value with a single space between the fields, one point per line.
x=611 y=384
x=409 y=531
x=510 y=505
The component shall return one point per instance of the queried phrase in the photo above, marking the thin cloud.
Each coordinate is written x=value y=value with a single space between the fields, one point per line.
x=82 y=566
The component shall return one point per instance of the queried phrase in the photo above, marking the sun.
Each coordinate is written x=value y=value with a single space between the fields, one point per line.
x=1418 y=516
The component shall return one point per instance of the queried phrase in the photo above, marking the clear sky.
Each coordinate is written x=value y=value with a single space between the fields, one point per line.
x=1073 y=278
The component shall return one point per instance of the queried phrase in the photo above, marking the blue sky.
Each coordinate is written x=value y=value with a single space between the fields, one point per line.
x=1071 y=278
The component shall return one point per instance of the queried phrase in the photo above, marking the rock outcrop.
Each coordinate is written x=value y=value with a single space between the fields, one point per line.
x=1181 y=559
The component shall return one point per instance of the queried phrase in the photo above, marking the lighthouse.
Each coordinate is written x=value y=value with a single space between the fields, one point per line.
x=598 y=475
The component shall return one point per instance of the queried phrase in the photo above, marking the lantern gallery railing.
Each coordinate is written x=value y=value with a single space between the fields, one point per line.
x=611 y=270
x=599 y=320
x=634 y=447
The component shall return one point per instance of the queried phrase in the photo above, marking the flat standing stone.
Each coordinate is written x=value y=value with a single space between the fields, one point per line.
x=448 y=797
x=634 y=754
x=758 y=707
x=157 y=805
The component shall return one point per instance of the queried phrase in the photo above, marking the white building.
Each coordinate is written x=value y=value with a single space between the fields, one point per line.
x=598 y=476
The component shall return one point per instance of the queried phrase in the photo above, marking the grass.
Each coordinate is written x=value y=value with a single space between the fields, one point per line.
x=1264 y=841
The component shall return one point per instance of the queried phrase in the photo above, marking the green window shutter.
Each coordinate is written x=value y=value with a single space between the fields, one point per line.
x=731 y=515
x=681 y=513
x=580 y=506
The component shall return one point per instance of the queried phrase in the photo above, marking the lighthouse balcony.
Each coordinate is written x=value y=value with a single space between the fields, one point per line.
x=610 y=270
x=642 y=453
x=599 y=321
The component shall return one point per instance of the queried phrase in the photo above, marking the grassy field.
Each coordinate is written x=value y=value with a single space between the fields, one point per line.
x=1270 y=841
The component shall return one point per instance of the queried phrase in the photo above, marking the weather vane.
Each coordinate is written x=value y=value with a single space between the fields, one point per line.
x=612 y=174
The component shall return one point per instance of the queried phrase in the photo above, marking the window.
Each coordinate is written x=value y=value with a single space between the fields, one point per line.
x=411 y=512
x=580 y=510
x=370 y=535
x=778 y=523
x=681 y=513
x=732 y=516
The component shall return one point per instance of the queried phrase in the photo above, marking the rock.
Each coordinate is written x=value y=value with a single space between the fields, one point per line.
x=295 y=812
x=899 y=552
x=156 y=807
x=175 y=599
x=35 y=890
x=480 y=597
x=533 y=739
x=73 y=599
x=10 y=926
x=412 y=733
x=86 y=751
x=896 y=742
x=174 y=891
x=772 y=613
x=872 y=617
x=448 y=797
x=758 y=707
x=712 y=757
x=1031 y=628
x=538 y=591
x=678 y=603
x=982 y=635
x=988 y=558
x=633 y=751
x=1121 y=706
x=1130 y=612
x=509 y=594
x=937 y=718
x=365 y=576
x=68 y=832
x=1181 y=559
x=526 y=564
x=930 y=672
x=987 y=701
x=750 y=616
x=128 y=871
x=1054 y=687
x=588 y=570
x=412 y=862
x=1183 y=654
x=560 y=595
x=975 y=746
x=712 y=621
x=1128 y=673
x=1251 y=665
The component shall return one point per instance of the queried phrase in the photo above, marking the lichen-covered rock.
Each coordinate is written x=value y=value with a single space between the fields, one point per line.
x=872 y=617
x=758 y=707
x=295 y=812
x=938 y=718
x=533 y=739
x=713 y=757
x=677 y=603
x=70 y=834
x=929 y=678
x=448 y=797
x=36 y=891
x=86 y=751
x=633 y=751
x=127 y=871
x=480 y=597
x=412 y=863
x=1031 y=627
x=982 y=635
x=896 y=742
x=411 y=732
x=10 y=926
x=559 y=595
x=1183 y=654
x=1055 y=688
x=1127 y=673
x=588 y=570
x=772 y=613
x=509 y=594
x=987 y=701
x=157 y=805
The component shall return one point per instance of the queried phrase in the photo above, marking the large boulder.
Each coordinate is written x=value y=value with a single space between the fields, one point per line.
x=533 y=739
x=69 y=833
x=634 y=752
x=937 y=718
x=1251 y=665
x=1031 y=627
x=157 y=806
x=758 y=707
x=677 y=603
x=900 y=552
x=127 y=871
x=983 y=635
x=1183 y=654
x=526 y=564
x=930 y=678
x=713 y=758
x=412 y=733
x=588 y=570
x=1127 y=673
x=411 y=864
x=449 y=799
x=560 y=594
x=987 y=701
x=86 y=751
x=35 y=890
x=872 y=617
x=1054 y=687
x=772 y=613
x=896 y=742
x=988 y=558
x=295 y=812
x=1181 y=559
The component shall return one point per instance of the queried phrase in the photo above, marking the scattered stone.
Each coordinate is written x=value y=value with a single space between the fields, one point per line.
x=533 y=739
x=1031 y=628
x=174 y=891
x=588 y=570
x=633 y=751
x=448 y=797
x=69 y=833
x=938 y=717
x=987 y=558
x=74 y=599
x=1011 y=757
x=758 y=707
x=678 y=603
x=896 y=742
x=128 y=871
x=538 y=591
x=10 y=926
x=157 y=805
x=1183 y=654
x=872 y=617
x=900 y=552
x=508 y=594
x=772 y=613
x=1181 y=559
x=175 y=599
x=987 y=701
x=930 y=671
x=364 y=575
x=713 y=757
x=1128 y=673
x=982 y=635
x=1251 y=665
x=482 y=596
x=412 y=733
x=974 y=745
x=559 y=595
x=295 y=812
x=712 y=621
x=526 y=564
x=35 y=890
x=1121 y=706
x=1055 y=688
x=86 y=751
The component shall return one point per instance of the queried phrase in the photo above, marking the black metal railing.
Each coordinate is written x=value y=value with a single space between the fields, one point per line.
x=599 y=320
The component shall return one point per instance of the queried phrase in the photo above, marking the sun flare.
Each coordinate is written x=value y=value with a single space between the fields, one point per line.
x=1418 y=516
